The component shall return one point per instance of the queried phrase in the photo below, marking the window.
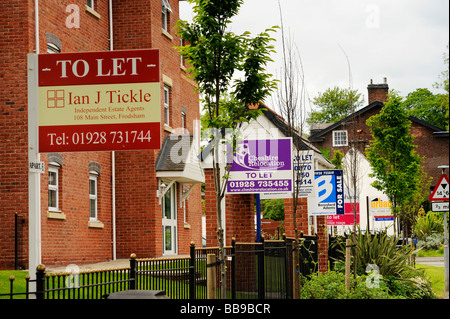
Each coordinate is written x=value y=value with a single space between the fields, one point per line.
x=181 y=56
x=93 y=179
x=53 y=188
x=90 y=4
x=340 y=138
x=166 y=105
x=183 y=119
x=166 y=10
x=53 y=43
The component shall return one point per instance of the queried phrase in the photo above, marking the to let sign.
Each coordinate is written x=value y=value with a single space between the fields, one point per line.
x=99 y=101
x=261 y=166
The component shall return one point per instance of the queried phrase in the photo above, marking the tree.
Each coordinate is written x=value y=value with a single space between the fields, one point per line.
x=445 y=86
x=215 y=54
x=422 y=103
x=334 y=104
x=391 y=154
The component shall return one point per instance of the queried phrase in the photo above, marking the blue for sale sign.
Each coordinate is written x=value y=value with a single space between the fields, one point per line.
x=328 y=194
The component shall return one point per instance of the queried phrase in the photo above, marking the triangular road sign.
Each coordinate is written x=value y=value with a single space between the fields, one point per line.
x=441 y=191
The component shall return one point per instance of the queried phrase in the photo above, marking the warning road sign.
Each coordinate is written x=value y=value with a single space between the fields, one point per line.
x=441 y=191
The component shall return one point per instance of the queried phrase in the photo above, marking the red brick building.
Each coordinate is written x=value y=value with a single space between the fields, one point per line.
x=432 y=142
x=139 y=207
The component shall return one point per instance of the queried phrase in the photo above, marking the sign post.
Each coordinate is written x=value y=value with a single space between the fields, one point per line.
x=439 y=202
x=88 y=101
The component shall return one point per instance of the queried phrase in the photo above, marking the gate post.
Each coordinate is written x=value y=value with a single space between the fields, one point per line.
x=295 y=271
x=40 y=282
x=133 y=271
x=192 y=272
x=261 y=284
x=233 y=268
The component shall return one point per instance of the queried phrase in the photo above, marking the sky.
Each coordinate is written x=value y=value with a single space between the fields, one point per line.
x=402 y=40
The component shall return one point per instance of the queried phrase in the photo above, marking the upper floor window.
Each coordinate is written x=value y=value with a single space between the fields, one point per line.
x=166 y=10
x=53 y=43
x=166 y=105
x=340 y=138
x=90 y=4
x=183 y=118
x=53 y=187
x=93 y=178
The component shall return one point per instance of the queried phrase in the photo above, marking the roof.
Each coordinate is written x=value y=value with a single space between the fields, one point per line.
x=176 y=160
x=317 y=136
x=173 y=161
x=299 y=141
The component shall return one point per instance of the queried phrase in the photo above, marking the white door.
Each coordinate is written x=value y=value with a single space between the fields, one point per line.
x=169 y=222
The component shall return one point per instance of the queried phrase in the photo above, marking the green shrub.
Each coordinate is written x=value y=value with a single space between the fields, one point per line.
x=430 y=223
x=415 y=288
x=431 y=242
x=331 y=285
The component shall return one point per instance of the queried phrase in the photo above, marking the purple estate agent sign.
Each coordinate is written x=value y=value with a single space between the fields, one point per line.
x=261 y=166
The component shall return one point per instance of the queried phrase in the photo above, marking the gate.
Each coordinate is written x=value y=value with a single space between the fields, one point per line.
x=261 y=270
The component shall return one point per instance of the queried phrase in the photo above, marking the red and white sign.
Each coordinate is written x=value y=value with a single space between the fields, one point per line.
x=440 y=192
x=348 y=218
x=99 y=101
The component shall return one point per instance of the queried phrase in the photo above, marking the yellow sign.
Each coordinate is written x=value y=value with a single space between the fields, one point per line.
x=99 y=104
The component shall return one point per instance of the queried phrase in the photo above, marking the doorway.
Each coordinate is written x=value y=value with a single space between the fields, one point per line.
x=169 y=222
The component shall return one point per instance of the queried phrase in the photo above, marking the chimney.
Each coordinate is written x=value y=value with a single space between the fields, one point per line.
x=378 y=92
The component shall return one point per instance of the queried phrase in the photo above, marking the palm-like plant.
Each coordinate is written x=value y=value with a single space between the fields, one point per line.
x=382 y=251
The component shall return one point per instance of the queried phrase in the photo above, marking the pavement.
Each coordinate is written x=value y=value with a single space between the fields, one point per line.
x=431 y=261
x=112 y=264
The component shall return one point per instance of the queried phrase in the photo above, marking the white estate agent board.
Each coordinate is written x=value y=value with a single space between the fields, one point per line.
x=328 y=193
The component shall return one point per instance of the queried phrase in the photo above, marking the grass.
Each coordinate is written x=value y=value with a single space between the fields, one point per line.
x=431 y=253
x=436 y=275
x=19 y=282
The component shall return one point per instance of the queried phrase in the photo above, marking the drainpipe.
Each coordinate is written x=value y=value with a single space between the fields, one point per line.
x=113 y=154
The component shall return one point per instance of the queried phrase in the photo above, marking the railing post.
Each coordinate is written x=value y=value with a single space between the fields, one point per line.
x=192 y=289
x=261 y=284
x=233 y=268
x=295 y=271
x=133 y=271
x=40 y=282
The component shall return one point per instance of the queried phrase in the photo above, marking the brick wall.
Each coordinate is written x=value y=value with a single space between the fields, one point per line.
x=137 y=24
x=14 y=44
x=139 y=221
x=240 y=212
x=302 y=226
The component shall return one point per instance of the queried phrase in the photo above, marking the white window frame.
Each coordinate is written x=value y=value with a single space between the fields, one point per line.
x=166 y=105
x=93 y=176
x=55 y=188
x=90 y=4
x=338 y=138
x=183 y=119
x=166 y=10
x=171 y=222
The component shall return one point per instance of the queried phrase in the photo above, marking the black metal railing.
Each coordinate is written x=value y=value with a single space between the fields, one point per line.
x=254 y=271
